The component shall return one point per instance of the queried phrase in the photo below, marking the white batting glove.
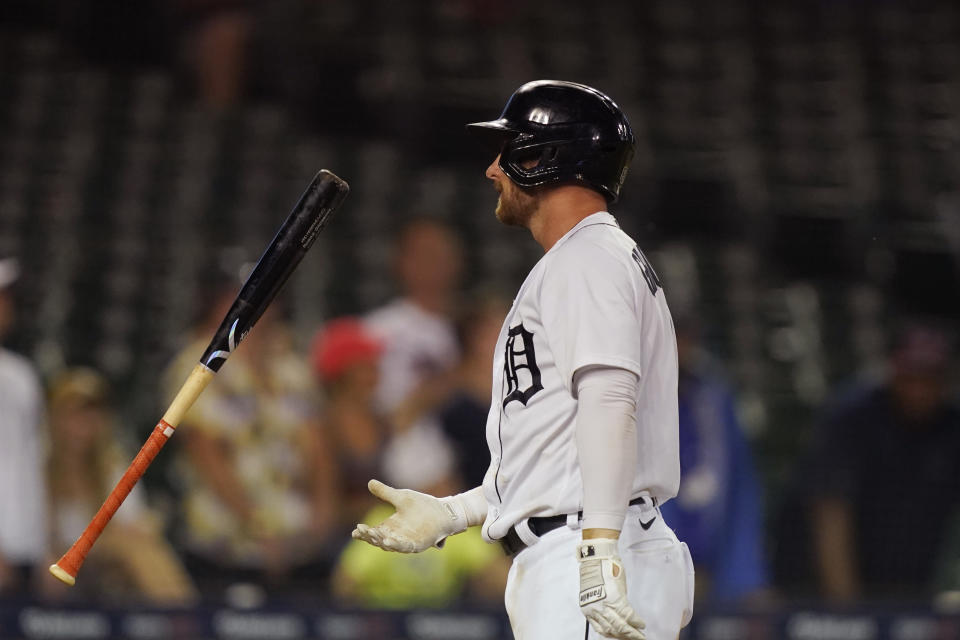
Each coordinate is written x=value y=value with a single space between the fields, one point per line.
x=603 y=591
x=421 y=521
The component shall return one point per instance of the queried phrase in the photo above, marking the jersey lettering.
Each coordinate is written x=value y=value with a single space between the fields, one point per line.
x=653 y=281
x=520 y=366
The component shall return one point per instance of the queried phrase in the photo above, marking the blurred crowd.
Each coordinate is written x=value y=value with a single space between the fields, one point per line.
x=267 y=475
x=269 y=468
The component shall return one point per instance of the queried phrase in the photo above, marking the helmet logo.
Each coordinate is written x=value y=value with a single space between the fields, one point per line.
x=539 y=115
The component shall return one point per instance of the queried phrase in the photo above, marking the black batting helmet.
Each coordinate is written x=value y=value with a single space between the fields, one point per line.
x=574 y=132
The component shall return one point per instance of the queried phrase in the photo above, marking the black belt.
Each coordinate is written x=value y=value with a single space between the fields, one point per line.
x=513 y=544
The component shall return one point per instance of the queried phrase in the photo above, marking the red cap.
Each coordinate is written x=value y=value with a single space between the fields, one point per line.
x=341 y=343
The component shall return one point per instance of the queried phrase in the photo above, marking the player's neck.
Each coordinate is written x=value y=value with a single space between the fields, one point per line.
x=560 y=210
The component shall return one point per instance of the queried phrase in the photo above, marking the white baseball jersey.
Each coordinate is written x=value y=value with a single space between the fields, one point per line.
x=592 y=299
x=418 y=344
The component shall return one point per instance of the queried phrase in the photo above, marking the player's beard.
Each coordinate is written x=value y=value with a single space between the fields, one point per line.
x=516 y=205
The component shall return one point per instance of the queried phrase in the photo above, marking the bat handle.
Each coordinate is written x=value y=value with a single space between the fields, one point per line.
x=66 y=568
x=69 y=564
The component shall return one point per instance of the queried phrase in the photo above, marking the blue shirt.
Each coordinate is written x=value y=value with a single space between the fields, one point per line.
x=718 y=510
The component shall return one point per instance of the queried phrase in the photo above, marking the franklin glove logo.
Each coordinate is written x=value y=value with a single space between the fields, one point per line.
x=591 y=577
x=593 y=594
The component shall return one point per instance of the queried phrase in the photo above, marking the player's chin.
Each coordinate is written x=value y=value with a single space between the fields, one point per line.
x=508 y=215
x=499 y=211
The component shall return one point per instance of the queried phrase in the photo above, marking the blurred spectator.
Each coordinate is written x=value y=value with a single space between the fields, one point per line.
x=464 y=415
x=420 y=345
x=883 y=477
x=216 y=37
x=259 y=495
x=131 y=558
x=23 y=524
x=345 y=358
x=718 y=510
x=466 y=571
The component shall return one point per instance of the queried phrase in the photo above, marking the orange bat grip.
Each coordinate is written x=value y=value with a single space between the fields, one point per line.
x=70 y=561
x=69 y=564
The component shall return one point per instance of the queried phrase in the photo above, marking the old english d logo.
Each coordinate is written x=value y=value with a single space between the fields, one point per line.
x=520 y=366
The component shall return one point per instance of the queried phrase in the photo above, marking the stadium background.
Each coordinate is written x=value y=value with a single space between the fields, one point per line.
x=797 y=179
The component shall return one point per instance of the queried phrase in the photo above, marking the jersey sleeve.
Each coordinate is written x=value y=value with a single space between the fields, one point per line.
x=591 y=311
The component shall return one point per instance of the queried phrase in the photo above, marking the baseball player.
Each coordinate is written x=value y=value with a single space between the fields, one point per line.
x=582 y=428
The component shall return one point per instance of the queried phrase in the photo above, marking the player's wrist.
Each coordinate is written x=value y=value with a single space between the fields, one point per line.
x=474 y=505
x=597 y=548
x=464 y=511
x=455 y=510
x=599 y=533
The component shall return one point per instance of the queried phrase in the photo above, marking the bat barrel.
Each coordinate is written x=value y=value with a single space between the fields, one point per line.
x=312 y=212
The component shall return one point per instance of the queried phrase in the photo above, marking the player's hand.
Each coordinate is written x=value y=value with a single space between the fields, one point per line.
x=603 y=591
x=421 y=521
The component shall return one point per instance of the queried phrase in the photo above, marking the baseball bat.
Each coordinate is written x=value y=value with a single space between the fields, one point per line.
x=322 y=197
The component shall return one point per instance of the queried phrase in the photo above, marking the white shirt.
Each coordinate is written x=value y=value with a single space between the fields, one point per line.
x=418 y=344
x=23 y=496
x=592 y=299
